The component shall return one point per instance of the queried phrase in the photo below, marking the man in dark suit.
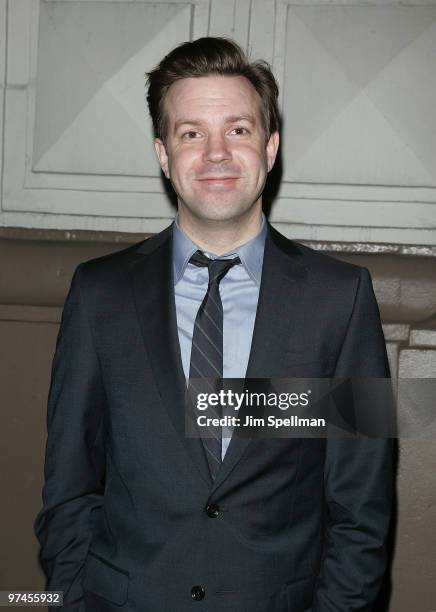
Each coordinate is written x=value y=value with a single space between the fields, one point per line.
x=140 y=517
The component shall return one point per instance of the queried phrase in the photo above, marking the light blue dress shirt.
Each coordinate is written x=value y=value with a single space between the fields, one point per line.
x=239 y=291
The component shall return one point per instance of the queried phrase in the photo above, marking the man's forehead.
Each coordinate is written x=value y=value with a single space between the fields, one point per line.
x=214 y=89
x=193 y=97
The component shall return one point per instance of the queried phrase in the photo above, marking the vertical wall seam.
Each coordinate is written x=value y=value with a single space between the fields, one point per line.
x=5 y=81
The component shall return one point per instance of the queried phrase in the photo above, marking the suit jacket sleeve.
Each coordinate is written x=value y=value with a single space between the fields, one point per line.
x=357 y=479
x=74 y=461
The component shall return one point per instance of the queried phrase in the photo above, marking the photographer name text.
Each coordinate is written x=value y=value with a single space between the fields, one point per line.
x=269 y=421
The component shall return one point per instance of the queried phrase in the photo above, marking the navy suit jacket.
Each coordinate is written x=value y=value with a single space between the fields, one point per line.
x=299 y=525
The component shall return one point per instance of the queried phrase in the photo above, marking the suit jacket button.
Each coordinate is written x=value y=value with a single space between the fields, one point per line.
x=212 y=510
x=198 y=592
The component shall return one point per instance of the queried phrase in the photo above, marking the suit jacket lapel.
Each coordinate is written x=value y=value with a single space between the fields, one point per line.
x=280 y=292
x=155 y=304
x=282 y=275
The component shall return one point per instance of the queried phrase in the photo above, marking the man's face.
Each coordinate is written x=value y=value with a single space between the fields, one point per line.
x=215 y=152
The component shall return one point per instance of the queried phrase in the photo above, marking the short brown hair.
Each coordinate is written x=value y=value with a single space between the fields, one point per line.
x=207 y=56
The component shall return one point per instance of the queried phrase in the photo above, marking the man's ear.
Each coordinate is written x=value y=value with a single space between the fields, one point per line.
x=162 y=156
x=271 y=149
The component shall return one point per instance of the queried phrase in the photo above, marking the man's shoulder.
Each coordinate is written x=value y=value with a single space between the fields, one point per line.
x=118 y=262
x=323 y=263
x=318 y=264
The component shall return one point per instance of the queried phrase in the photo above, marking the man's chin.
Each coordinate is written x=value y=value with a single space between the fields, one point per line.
x=218 y=211
x=220 y=217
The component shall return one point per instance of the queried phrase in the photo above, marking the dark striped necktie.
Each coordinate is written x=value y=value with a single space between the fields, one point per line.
x=207 y=346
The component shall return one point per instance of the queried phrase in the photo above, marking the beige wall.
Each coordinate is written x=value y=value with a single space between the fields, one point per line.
x=36 y=268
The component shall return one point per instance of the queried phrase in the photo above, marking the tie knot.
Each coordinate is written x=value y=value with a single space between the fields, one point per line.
x=218 y=268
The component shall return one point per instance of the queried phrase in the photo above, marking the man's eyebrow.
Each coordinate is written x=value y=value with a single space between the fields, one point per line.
x=231 y=119
x=180 y=122
x=236 y=118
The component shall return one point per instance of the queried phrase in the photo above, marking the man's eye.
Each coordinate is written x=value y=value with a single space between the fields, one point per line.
x=240 y=131
x=190 y=135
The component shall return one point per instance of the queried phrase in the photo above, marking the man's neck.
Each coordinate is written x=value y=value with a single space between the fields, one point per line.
x=220 y=237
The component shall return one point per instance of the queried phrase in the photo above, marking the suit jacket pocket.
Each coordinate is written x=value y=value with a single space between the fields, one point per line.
x=299 y=365
x=105 y=579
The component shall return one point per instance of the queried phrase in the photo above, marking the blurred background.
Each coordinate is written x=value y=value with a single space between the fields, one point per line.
x=356 y=178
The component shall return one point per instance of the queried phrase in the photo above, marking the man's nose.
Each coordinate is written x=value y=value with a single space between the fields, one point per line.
x=217 y=149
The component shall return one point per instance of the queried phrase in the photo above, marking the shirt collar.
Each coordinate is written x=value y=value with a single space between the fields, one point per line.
x=250 y=253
